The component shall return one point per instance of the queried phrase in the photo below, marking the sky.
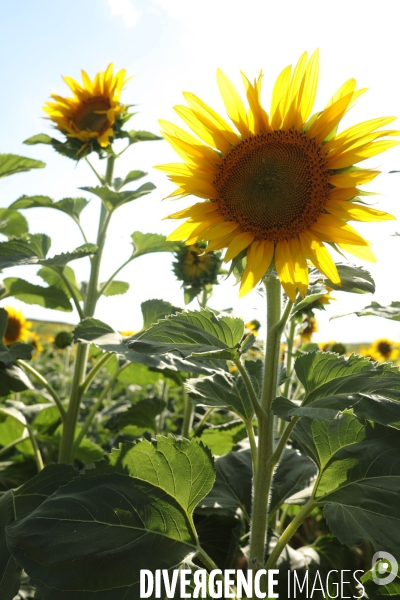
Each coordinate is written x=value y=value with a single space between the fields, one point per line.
x=172 y=46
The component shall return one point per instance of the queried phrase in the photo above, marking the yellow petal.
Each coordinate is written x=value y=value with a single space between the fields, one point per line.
x=258 y=118
x=285 y=269
x=310 y=86
x=239 y=243
x=233 y=103
x=208 y=134
x=259 y=256
x=363 y=252
x=220 y=230
x=343 y=193
x=319 y=255
x=299 y=265
x=279 y=93
x=210 y=116
x=355 y=177
x=187 y=229
x=332 y=229
x=199 y=209
x=356 y=212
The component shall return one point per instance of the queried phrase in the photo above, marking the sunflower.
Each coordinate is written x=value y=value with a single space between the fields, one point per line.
x=252 y=327
x=309 y=326
x=335 y=347
x=17 y=329
x=277 y=187
x=384 y=349
x=91 y=114
x=35 y=341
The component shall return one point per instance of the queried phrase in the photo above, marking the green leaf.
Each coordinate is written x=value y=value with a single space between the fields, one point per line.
x=18 y=503
x=147 y=243
x=116 y=288
x=391 y=312
x=16 y=470
x=13 y=379
x=359 y=478
x=12 y=163
x=113 y=200
x=53 y=278
x=232 y=487
x=195 y=333
x=142 y=414
x=219 y=536
x=314 y=292
x=70 y=206
x=60 y=260
x=293 y=478
x=24 y=251
x=12 y=223
x=133 y=511
x=119 y=183
x=221 y=390
x=224 y=438
x=40 y=138
x=154 y=310
x=104 y=337
x=353 y=279
x=48 y=297
x=140 y=136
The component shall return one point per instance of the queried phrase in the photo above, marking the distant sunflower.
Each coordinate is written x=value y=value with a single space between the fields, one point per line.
x=309 y=326
x=94 y=108
x=17 y=329
x=280 y=185
x=336 y=347
x=384 y=349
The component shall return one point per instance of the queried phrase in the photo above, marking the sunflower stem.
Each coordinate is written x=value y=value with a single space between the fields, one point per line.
x=289 y=356
x=77 y=390
x=27 y=367
x=263 y=476
x=188 y=410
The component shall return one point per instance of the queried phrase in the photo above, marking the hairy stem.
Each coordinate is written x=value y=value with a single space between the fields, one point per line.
x=69 y=428
x=35 y=447
x=71 y=290
x=250 y=389
x=188 y=410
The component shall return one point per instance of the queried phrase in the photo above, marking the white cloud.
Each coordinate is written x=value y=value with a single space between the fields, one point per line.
x=126 y=10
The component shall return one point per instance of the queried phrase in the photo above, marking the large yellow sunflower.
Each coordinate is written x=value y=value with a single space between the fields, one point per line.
x=92 y=111
x=276 y=186
x=17 y=329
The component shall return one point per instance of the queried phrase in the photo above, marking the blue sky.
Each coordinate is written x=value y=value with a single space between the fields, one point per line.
x=171 y=46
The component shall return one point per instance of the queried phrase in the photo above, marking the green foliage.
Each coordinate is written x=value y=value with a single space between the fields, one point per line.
x=147 y=243
x=352 y=279
x=48 y=297
x=12 y=163
x=115 y=288
x=195 y=333
x=70 y=206
x=391 y=312
x=113 y=200
x=157 y=533
x=359 y=478
x=12 y=223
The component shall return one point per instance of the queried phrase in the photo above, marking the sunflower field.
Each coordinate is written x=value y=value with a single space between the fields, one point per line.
x=203 y=445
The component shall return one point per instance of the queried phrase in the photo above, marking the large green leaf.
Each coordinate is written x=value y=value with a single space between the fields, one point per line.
x=232 y=487
x=113 y=200
x=12 y=163
x=53 y=277
x=195 y=333
x=142 y=414
x=109 y=340
x=353 y=279
x=314 y=292
x=18 y=503
x=13 y=379
x=132 y=512
x=221 y=390
x=219 y=536
x=224 y=438
x=359 y=478
x=154 y=310
x=24 y=251
x=70 y=206
x=12 y=223
x=374 y=309
x=293 y=477
x=48 y=297
x=147 y=243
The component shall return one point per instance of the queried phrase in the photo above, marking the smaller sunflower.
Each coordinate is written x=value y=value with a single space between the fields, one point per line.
x=252 y=327
x=335 y=347
x=384 y=349
x=17 y=329
x=34 y=340
x=309 y=326
x=63 y=339
x=196 y=269
x=94 y=112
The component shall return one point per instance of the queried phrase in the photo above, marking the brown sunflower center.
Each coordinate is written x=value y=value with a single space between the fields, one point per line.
x=384 y=348
x=274 y=185
x=87 y=116
x=13 y=330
